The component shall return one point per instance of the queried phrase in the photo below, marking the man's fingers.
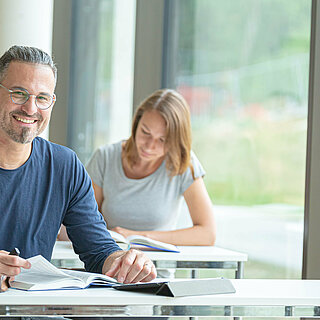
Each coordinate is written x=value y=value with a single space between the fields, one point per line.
x=114 y=269
x=152 y=275
x=10 y=271
x=130 y=266
x=136 y=269
x=128 y=260
x=10 y=265
x=16 y=261
x=121 y=265
x=147 y=274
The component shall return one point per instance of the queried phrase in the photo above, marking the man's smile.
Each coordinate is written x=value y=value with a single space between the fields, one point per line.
x=27 y=121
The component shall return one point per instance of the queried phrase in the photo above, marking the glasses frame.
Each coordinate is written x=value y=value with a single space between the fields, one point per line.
x=30 y=95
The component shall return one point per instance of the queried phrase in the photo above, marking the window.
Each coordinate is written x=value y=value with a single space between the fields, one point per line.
x=101 y=80
x=243 y=68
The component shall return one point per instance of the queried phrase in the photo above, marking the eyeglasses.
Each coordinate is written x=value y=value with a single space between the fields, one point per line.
x=21 y=96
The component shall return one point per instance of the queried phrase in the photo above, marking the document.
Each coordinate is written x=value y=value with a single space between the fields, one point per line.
x=45 y=276
x=141 y=243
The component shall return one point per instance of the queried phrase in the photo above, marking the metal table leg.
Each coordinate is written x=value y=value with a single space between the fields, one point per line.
x=239 y=275
x=194 y=275
x=239 y=271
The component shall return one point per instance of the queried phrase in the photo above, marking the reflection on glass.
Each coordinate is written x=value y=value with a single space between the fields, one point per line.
x=243 y=67
x=90 y=75
x=101 y=73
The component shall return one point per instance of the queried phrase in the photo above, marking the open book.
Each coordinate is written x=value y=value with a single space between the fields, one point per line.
x=45 y=276
x=141 y=242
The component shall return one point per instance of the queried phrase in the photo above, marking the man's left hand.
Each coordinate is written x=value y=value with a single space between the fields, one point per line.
x=129 y=267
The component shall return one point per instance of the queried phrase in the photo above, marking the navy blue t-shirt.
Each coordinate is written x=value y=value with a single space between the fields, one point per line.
x=51 y=188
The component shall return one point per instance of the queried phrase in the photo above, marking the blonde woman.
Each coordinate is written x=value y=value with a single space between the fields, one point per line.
x=139 y=184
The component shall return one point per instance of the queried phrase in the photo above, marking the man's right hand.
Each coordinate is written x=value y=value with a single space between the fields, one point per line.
x=10 y=265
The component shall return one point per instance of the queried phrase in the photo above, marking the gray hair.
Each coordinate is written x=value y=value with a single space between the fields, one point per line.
x=25 y=54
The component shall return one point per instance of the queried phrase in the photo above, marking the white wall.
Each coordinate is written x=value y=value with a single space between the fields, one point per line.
x=26 y=23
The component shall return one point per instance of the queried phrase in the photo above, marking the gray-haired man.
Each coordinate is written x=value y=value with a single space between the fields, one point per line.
x=43 y=184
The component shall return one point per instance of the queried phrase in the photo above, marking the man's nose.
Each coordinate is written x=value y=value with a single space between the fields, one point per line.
x=30 y=106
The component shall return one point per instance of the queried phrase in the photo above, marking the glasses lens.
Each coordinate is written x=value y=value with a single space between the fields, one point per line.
x=44 y=100
x=19 y=96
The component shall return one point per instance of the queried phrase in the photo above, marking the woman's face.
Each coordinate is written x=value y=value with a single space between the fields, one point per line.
x=151 y=136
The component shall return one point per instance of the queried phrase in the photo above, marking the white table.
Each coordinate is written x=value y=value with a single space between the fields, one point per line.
x=190 y=257
x=258 y=298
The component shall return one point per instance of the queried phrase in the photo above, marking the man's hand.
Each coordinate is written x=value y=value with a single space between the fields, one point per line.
x=129 y=267
x=10 y=266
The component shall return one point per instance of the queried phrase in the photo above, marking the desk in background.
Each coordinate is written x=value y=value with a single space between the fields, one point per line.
x=190 y=257
x=253 y=298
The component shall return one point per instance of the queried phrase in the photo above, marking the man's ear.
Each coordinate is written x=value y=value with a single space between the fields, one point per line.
x=54 y=100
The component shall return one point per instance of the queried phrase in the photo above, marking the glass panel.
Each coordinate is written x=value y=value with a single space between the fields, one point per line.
x=90 y=74
x=243 y=67
x=99 y=30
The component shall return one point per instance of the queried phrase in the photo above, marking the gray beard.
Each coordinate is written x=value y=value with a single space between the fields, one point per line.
x=24 y=137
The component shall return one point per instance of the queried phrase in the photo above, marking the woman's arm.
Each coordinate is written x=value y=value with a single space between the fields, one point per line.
x=62 y=235
x=98 y=194
x=203 y=231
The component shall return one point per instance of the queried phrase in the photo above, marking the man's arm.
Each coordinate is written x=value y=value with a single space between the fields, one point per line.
x=129 y=266
x=91 y=240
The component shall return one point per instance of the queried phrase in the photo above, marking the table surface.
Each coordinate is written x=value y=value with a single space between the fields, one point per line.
x=63 y=251
x=253 y=292
x=253 y=297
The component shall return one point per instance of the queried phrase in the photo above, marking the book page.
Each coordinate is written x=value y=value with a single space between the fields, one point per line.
x=117 y=237
x=89 y=277
x=39 y=265
x=43 y=275
x=39 y=278
x=141 y=240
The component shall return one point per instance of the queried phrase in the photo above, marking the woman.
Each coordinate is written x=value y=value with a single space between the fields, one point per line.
x=140 y=183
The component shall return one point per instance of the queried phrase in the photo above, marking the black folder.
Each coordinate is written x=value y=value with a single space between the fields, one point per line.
x=180 y=288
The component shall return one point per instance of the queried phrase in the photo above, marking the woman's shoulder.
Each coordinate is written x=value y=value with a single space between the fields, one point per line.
x=109 y=150
x=196 y=165
x=108 y=153
x=193 y=158
x=194 y=171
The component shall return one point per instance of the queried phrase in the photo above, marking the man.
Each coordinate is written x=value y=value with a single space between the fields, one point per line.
x=43 y=184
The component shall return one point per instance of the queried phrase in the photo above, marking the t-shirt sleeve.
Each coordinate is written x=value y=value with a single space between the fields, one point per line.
x=85 y=225
x=186 y=177
x=96 y=166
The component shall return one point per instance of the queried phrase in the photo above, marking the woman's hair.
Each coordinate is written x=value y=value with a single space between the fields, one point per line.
x=175 y=111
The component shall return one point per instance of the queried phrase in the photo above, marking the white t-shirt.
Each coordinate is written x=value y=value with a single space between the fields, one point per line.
x=150 y=203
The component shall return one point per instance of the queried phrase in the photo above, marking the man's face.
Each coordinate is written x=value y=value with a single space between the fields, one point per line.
x=22 y=123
